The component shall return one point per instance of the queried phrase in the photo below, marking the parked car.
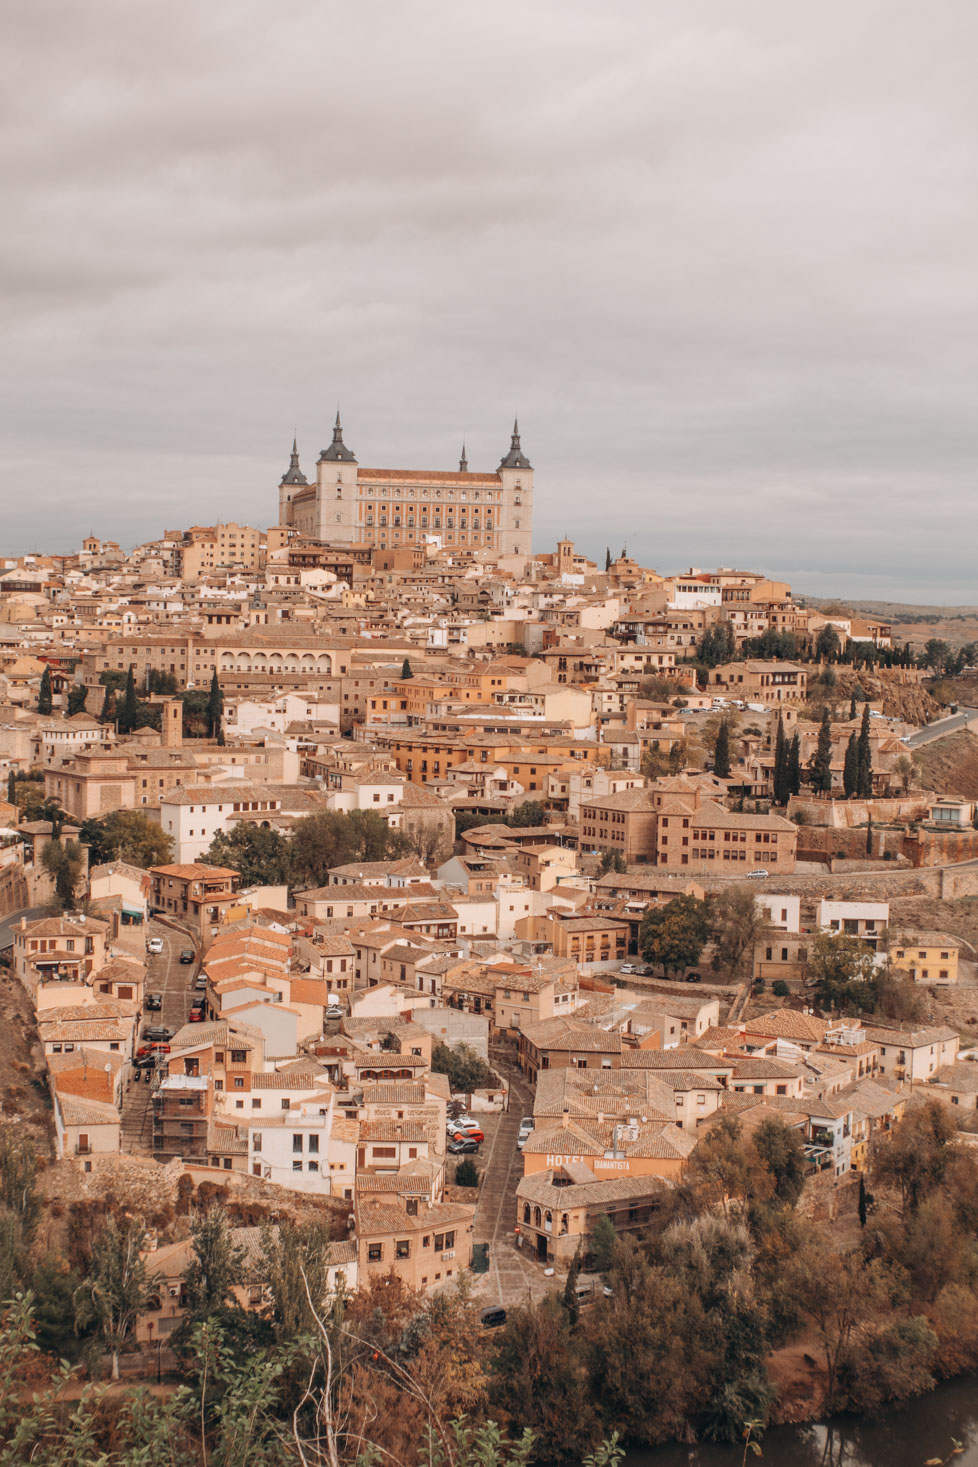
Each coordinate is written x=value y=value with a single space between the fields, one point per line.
x=157 y=1032
x=200 y=982
x=693 y=978
x=526 y=1126
x=333 y=1011
x=460 y=1144
x=629 y=968
x=154 y=1000
x=493 y=1317
x=150 y=1051
x=757 y=875
x=154 y=945
x=187 y=955
x=196 y=1016
x=461 y=1133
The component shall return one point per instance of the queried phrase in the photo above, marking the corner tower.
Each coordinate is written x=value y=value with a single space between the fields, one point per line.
x=516 y=512
x=291 y=481
x=336 y=491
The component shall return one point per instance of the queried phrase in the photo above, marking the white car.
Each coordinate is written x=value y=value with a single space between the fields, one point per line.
x=154 y=945
x=526 y=1126
x=757 y=875
x=628 y=968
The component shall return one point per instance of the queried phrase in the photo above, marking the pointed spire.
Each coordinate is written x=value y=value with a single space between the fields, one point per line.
x=463 y=463
x=516 y=458
x=337 y=449
x=293 y=474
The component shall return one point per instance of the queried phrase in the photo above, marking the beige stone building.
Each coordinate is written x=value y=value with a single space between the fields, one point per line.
x=350 y=505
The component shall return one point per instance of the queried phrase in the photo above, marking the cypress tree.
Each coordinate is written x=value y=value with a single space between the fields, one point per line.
x=11 y=788
x=852 y=709
x=130 y=704
x=869 y=837
x=108 y=705
x=607 y=559
x=862 y=1200
x=215 y=708
x=406 y=668
x=850 y=771
x=864 y=783
x=793 y=777
x=721 y=753
x=45 y=702
x=780 y=769
x=822 y=763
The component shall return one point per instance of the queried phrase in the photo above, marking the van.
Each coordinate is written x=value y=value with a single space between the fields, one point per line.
x=493 y=1317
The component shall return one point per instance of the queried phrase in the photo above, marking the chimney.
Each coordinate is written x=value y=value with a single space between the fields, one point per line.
x=565 y=1118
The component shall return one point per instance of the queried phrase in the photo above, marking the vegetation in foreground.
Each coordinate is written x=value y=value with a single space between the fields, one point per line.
x=683 y=1343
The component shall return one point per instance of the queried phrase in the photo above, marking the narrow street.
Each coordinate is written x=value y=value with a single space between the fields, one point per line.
x=166 y=975
x=512 y=1279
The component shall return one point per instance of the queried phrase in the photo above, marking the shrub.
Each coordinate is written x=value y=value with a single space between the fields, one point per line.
x=779 y=988
x=466 y=1173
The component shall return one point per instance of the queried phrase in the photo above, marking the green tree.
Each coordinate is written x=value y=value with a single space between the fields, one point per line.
x=674 y=935
x=782 y=1151
x=864 y=750
x=844 y=972
x=530 y=812
x=64 y=861
x=466 y=1173
x=738 y=926
x=215 y=709
x=465 y=1069
x=107 y=714
x=538 y=1366
x=126 y=835
x=852 y=709
x=295 y=1264
x=827 y=644
x=115 y=1291
x=822 y=759
x=604 y=1236
x=793 y=766
x=780 y=782
x=262 y=857
x=611 y=860
x=916 y=1154
x=216 y=1264
x=330 y=838
x=77 y=697
x=45 y=702
x=721 y=752
x=850 y=770
x=654 y=762
x=607 y=559
x=406 y=668
x=130 y=704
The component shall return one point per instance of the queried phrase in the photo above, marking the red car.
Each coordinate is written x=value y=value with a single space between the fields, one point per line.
x=146 y=1050
x=464 y=1133
x=196 y=1015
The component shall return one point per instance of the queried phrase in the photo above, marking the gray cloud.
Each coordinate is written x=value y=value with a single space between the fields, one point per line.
x=721 y=258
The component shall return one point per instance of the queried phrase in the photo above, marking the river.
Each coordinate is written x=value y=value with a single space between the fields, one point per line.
x=906 y=1437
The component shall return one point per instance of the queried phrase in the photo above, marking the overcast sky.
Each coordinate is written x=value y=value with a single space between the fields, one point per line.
x=721 y=257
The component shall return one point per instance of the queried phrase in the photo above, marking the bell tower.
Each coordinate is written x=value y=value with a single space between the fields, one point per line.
x=516 y=511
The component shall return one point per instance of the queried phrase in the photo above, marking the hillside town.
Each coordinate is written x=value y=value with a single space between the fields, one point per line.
x=379 y=862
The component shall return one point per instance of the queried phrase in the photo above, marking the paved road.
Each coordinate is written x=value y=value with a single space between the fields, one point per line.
x=8 y=924
x=165 y=974
x=512 y=1277
x=944 y=726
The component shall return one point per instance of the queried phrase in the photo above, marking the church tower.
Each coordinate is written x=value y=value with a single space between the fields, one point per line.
x=336 y=491
x=291 y=481
x=516 y=513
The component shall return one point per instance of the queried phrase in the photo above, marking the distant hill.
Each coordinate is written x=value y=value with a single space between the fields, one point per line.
x=911 y=623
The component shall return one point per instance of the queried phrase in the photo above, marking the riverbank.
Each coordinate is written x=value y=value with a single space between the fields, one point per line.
x=923 y=1430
